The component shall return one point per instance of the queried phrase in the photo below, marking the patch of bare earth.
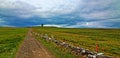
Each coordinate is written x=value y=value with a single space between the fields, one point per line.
x=31 y=48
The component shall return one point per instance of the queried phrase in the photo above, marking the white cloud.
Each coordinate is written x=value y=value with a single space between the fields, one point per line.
x=52 y=8
x=88 y=25
x=15 y=5
x=42 y=8
x=97 y=15
x=16 y=8
x=100 y=9
x=89 y=9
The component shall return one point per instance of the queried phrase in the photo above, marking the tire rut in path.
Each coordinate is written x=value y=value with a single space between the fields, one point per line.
x=31 y=48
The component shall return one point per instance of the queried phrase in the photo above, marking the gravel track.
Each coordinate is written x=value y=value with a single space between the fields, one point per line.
x=31 y=48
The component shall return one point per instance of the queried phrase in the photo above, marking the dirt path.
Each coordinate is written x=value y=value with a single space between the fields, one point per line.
x=31 y=48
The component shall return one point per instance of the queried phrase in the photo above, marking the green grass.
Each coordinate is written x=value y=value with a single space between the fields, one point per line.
x=10 y=38
x=55 y=50
x=107 y=39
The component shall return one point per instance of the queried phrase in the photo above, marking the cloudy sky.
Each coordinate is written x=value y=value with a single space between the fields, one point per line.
x=61 y=13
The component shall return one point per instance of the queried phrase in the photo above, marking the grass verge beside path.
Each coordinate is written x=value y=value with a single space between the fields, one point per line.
x=55 y=50
x=10 y=39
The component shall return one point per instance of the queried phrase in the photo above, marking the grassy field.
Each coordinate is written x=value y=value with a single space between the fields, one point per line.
x=10 y=38
x=107 y=39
